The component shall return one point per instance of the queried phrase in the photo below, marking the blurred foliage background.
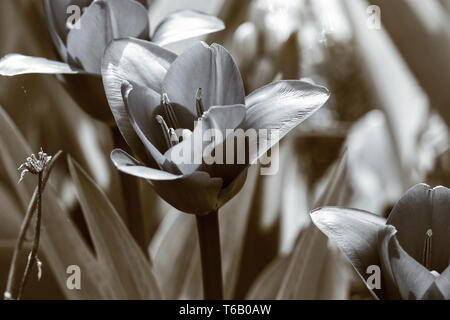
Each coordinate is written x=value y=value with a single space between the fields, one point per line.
x=384 y=129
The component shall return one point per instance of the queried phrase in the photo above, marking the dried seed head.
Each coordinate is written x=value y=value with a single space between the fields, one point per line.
x=34 y=165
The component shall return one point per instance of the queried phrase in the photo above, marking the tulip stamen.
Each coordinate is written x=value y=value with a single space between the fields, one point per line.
x=426 y=257
x=170 y=114
x=174 y=140
x=199 y=103
x=165 y=130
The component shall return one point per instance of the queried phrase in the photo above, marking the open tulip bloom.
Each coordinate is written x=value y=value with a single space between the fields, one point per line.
x=81 y=41
x=164 y=106
x=411 y=249
x=156 y=98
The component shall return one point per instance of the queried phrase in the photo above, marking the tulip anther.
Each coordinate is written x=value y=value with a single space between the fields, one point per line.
x=165 y=130
x=174 y=140
x=170 y=114
x=199 y=103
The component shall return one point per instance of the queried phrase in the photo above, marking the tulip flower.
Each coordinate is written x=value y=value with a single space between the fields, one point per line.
x=81 y=42
x=162 y=104
x=410 y=249
x=152 y=93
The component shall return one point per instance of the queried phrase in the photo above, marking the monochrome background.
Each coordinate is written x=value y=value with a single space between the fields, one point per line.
x=384 y=129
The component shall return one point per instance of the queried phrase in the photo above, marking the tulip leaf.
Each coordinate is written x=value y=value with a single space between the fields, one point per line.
x=61 y=242
x=176 y=257
x=130 y=272
x=17 y=64
x=185 y=24
x=10 y=214
x=289 y=275
x=268 y=283
x=235 y=218
x=334 y=193
x=430 y=26
x=297 y=275
x=381 y=60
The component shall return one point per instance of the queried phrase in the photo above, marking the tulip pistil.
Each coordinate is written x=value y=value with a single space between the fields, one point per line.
x=199 y=103
x=426 y=257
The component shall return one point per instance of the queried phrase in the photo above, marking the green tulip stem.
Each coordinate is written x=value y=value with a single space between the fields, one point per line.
x=209 y=239
x=130 y=192
x=32 y=258
x=34 y=203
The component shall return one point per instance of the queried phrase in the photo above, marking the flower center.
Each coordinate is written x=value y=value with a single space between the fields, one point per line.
x=168 y=110
x=170 y=136
x=169 y=128
x=426 y=257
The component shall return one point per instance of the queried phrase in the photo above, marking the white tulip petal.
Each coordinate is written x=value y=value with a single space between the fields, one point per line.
x=355 y=232
x=217 y=119
x=423 y=208
x=185 y=24
x=127 y=164
x=404 y=277
x=132 y=61
x=195 y=193
x=57 y=13
x=101 y=23
x=440 y=289
x=281 y=106
x=210 y=68
x=17 y=64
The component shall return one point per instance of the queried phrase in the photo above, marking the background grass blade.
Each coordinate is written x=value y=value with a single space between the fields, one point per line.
x=61 y=242
x=303 y=273
x=123 y=261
